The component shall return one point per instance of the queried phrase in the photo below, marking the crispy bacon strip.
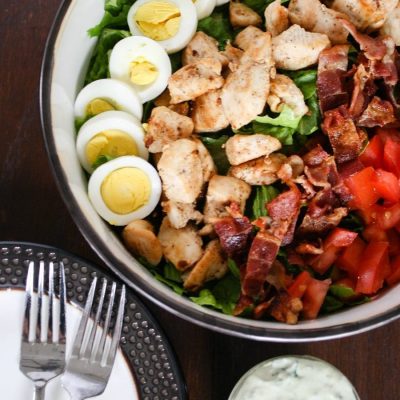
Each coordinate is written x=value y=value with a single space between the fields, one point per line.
x=332 y=67
x=378 y=113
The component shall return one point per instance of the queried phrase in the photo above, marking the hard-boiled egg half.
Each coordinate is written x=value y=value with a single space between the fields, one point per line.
x=220 y=2
x=109 y=135
x=204 y=8
x=106 y=95
x=172 y=23
x=143 y=64
x=124 y=189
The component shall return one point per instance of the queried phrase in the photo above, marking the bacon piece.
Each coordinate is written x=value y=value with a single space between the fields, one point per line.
x=234 y=234
x=244 y=303
x=378 y=113
x=332 y=67
x=346 y=140
x=285 y=308
x=284 y=211
x=262 y=254
x=387 y=68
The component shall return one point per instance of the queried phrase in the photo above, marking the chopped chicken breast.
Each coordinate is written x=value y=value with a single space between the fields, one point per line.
x=296 y=48
x=140 y=239
x=164 y=127
x=233 y=54
x=276 y=18
x=391 y=26
x=314 y=16
x=182 y=247
x=179 y=214
x=261 y=171
x=242 y=148
x=195 y=79
x=202 y=46
x=283 y=91
x=164 y=99
x=366 y=14
x=221 y=192
x=241 y=15
x=207 y=162
x=181 y=172
x=246 y=37
x=208 y=114
x=212 y=265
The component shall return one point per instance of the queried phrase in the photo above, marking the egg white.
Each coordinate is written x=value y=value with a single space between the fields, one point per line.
x=204 y=8
x=119 y=93
x=109 y=120
x=98 y=176
x=128 y=50
x=187 y=26
x=220 y=2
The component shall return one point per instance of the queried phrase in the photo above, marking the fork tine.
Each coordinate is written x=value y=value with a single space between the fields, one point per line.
x=51 y=302
x=117 y=328
x=63 y=300
x=90 y=344
x=40 y=301
x=76 y=349
x=28 y=301
x=106 y=326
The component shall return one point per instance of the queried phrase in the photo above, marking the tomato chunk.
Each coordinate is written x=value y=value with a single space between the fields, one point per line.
x=373 y=268
x=314 y=297
x=387 y=185
x=391 y=156
x=299 y=286
x=394 y=276
x=387 y=217
x=374 y=233
x=362 y=188
x=372 y=156
x=349 y=260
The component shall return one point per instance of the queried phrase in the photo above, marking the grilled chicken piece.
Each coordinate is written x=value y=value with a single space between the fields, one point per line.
x=181 y=172
x=291 y=169
x=221 y=192
x=242 y=148
x=140 y=239
x=276 y=18
x=212 y=265
x=179 y=214
x=366 y=14
x=208 y=114
x=246 y=37
x=283 y=91
x=296 y=48
x=164 y=99
x=391 y=27
x=207 y=162
x=166 y=126
x=233 y=54
x=182 y=247
x=314 y=16
x=241 y=16
x=195 y=79
x=202 y=46
x=261 y=171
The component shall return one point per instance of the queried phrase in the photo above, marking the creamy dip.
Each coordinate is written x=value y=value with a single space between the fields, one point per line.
x=294 y=378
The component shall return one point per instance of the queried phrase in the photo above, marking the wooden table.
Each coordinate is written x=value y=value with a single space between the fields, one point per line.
x=32 y=210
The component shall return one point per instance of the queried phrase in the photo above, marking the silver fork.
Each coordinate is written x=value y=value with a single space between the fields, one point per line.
x=42 y=359
x=92 y=359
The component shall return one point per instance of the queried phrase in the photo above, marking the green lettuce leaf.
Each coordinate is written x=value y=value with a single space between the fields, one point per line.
x=102 y=159
x=305 y=80
x=233 y=268
x=171 y=273
x=214 y=146
x=98 y=65
x=286 y=118
x=262 y=196
x=309 y=123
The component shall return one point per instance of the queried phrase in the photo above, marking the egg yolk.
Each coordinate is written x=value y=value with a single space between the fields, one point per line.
x=143 y=72
x=113 y=143
x=159 y=20
x=97 y=106
x=125 y=190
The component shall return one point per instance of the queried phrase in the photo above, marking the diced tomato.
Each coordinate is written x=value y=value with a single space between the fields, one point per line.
x=387 y=217
x=388 y=133
x=349 y=260
x=299 y=285
x=372 y=156
x=391 y=156
x=394 y=242
x=394 y=276
x=374 y=267
x=362 y=188
x=373 y=233
x=332 y=246
x=387 y=185
x=314 y=297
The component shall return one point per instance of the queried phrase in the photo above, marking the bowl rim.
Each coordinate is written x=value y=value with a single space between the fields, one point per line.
x=171 y=303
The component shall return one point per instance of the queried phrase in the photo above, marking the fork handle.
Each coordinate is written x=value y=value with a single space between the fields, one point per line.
x=38 y=394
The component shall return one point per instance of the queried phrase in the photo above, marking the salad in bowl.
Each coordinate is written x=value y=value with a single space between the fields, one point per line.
x=247 y=154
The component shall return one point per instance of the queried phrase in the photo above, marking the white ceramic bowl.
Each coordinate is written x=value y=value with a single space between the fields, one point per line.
x=66 y=58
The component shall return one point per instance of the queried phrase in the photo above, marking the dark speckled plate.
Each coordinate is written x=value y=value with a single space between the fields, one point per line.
x=143 y=343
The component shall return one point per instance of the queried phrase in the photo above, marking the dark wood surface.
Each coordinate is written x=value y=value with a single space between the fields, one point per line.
x=31 y=209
